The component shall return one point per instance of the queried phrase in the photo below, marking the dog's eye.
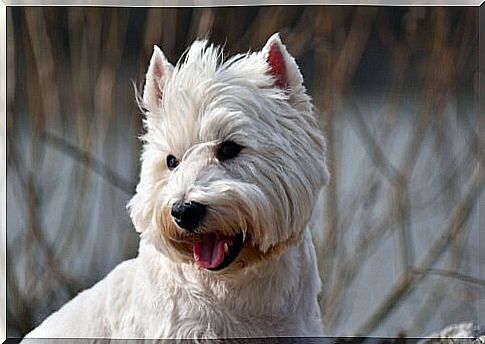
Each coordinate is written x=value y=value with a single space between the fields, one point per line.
x=172 y=162
x=228 y=150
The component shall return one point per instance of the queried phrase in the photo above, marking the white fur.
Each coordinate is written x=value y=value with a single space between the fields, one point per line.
x=268 y=192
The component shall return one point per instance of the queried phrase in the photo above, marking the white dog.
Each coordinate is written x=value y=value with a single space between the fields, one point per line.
x=232 y=165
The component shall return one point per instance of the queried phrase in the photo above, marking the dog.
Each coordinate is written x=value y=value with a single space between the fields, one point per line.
x=232 y=165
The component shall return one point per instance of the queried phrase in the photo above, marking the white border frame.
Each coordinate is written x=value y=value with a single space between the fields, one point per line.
x=130 y=3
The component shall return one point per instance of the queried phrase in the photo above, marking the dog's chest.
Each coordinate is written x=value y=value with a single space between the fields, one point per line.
x=174 y=310
x=160 y=300
x=189 y=313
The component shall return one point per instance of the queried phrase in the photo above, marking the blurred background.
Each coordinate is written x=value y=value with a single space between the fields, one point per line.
x=398 y=235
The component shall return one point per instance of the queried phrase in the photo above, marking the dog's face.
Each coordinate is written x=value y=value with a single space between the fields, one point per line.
x=232 y=159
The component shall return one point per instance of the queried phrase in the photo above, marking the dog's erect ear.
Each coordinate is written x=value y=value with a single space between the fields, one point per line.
x=158 y=72
x=281 y=64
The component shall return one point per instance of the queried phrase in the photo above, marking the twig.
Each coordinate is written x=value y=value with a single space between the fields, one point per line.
x=94 y=164
x=450 y=274
x=380 y=160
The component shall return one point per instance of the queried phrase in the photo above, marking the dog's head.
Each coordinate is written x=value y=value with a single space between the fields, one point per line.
x=232 y=158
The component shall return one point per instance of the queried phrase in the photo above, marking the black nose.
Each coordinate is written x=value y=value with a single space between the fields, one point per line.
x=188 y=215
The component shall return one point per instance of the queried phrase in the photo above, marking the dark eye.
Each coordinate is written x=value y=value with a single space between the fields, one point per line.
x=172 y=162
x=228 y=150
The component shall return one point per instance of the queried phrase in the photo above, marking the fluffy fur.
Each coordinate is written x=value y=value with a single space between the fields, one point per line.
x=267 y=193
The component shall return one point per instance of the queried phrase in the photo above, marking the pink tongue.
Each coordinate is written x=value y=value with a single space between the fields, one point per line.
x=209 y=252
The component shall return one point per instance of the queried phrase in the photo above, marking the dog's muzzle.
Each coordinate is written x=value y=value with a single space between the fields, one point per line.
x=188 y=215
x=212 y=251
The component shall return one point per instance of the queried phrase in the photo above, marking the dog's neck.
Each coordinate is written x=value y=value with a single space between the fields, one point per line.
x=288 y=280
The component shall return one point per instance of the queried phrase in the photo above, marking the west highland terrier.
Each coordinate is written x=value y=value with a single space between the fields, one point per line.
x=232 y=165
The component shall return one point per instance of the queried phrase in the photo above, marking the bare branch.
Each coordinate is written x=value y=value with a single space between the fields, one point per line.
x=94 y=164
x=451 y=274
x=409 y=280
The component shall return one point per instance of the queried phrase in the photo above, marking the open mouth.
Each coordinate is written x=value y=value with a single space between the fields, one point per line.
x=215 y=252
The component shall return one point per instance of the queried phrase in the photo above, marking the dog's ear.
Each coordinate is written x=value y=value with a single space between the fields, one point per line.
x=158 y=72
x=281 y=64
